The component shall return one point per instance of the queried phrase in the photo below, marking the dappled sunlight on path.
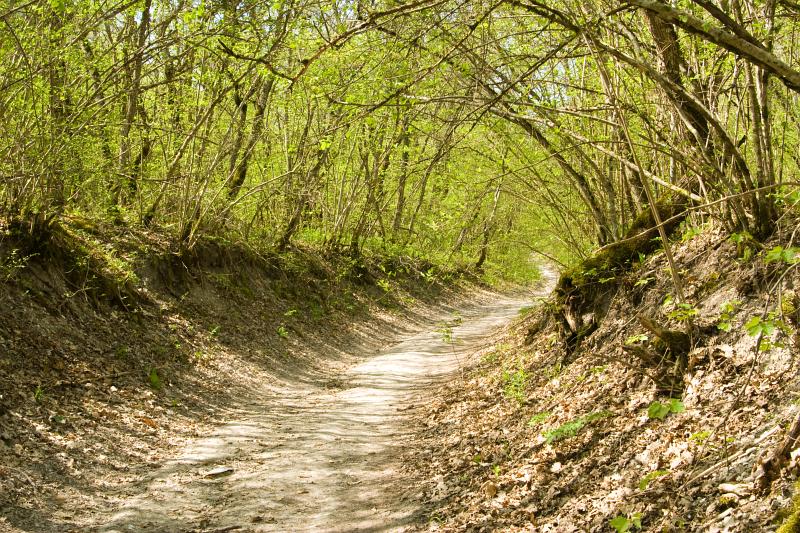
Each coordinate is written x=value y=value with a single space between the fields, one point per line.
x=301 y=459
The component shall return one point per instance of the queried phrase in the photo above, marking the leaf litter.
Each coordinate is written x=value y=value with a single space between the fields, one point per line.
x=539 y=458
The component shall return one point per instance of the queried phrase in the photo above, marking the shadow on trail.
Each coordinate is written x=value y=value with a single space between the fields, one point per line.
x=313 y=458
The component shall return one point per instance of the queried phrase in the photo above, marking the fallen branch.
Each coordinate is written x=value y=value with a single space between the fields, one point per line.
x=731 y=460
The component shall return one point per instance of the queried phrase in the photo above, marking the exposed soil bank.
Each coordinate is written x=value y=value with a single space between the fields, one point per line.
x=615 y=434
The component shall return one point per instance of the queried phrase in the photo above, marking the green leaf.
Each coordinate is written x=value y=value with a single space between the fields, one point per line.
x=774 y=255
x=676 y=406
x=538 y=418
x=753 y=326
x=620 y=523
x=645 y=481
x=633 y=339
x=155 y=380
x=658 y=410
x=756 y=326
x=782 y=255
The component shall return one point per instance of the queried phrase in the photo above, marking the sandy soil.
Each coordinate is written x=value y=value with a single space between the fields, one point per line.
x=312 y=457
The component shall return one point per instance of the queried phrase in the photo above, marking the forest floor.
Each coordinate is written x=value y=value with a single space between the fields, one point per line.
x=237 y=398
x=291 y=399
x=541 y=439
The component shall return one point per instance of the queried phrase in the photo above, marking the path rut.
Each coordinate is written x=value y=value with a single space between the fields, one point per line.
x=315 y=459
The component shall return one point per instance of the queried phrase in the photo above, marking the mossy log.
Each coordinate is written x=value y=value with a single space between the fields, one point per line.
x=584 y=292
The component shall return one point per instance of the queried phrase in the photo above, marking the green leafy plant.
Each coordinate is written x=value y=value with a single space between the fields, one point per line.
x=384 y=284
x=429 y=275
x=154 y=378
x=571 y=428
x=38 y=394
x=290 y=313
x=779 y=254
x=744 y=245
x=690 y=232
x=683 y=312
x=538 y=418
x=699 y=437
x=726 y=315
x=644 y=281
x=625 y=523
x=12 y=264
x=514 y=384
x=766 y=327
x=283 y=332
x=649 y=478
x=446 y=331
x=659 y=411
x=634 y=339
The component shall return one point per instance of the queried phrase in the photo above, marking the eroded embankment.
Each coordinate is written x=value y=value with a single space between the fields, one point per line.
x=624 y=430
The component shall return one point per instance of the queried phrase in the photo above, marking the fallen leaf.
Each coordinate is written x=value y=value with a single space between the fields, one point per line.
x=148 y=422
x=219 y=472
x=489 y=489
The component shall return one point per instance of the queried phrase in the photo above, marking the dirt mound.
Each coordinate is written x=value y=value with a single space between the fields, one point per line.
x=626 y=433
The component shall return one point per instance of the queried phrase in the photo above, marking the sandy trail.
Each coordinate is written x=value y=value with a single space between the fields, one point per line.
x=315 y=459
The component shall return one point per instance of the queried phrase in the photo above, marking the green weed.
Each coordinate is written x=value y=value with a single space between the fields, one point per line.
x=779 y=254
x=514 y=385
x=155 y=380
x=12 y=264
x=622 y=524
x=659 y=411
x=683 y=312
x=699 y=437
x=635 y=339
x=571 y=428
x=649 y=478
x=726 y=315
x=539 y=418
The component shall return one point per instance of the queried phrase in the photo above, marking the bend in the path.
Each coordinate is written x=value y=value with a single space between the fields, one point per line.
x=315 y=460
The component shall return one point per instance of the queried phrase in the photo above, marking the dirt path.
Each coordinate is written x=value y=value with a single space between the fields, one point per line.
x=313 y=459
